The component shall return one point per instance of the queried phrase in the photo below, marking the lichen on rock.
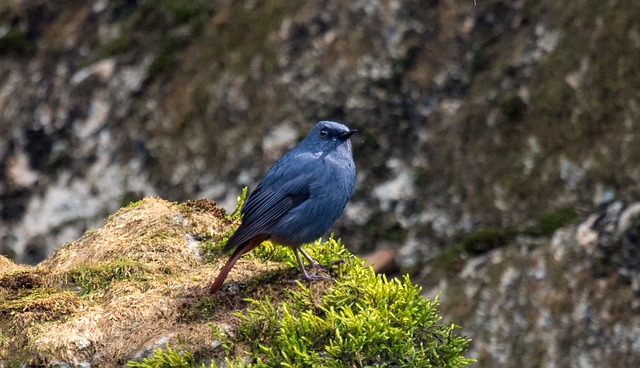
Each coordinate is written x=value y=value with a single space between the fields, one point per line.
x=570 y=299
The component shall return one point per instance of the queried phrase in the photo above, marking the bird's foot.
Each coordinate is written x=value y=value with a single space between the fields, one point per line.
x=314 y=276
x=319 y=275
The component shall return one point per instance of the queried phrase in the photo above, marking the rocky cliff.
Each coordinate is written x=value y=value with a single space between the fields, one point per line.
x=477 y=121
x=569 y=301
x=471 y=116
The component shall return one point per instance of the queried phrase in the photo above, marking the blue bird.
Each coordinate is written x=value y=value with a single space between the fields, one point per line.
x=299 y=198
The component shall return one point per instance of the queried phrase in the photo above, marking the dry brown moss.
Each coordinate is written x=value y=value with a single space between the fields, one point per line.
x=152 y=232
x=5 y=262
x=120 y=290
x=7 y=265
x=133 y=285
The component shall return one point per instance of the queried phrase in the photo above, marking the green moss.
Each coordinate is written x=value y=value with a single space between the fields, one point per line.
x=483 y=240
x=204 y=308
x=17 y=42
x=450 y=260
x=363 y=320
x=184 y=11
x=99 y=276
x=167 y=358
x=547 y=224
x=130 y=199
x=165 y=56
x=323 y=252
x=117 y=46
x=236 y=215
x=453 y=257
x=211 y=246
x=44 y=302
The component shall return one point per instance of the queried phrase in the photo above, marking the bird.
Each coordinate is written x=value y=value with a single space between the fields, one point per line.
x=299 y=198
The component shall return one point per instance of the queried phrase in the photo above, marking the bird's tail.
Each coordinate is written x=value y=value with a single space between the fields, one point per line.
x=225 y=271
x=242 y=249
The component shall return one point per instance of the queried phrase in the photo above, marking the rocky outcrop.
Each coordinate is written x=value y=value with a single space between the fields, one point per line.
x=572 y=301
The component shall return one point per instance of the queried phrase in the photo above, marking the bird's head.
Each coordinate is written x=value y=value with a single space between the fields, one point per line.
x=329 y=134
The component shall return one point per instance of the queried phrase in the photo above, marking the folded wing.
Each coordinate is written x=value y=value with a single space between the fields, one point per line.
x=265 y=206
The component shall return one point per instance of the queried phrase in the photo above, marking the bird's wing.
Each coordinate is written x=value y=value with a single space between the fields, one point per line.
x=276 y=195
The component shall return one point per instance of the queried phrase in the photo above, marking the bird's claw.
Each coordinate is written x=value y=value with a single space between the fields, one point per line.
x=318 y=277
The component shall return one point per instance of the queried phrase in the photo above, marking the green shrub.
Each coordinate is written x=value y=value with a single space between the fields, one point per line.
x=362 y=320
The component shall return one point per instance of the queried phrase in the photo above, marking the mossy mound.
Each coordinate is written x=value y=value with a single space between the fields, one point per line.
x=135 y=291
x=153 y=232
x=5 y=262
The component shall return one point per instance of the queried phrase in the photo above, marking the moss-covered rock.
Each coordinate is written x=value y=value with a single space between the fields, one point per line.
x=136 y=290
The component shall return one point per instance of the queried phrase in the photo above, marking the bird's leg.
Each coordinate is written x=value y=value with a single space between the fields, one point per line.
x=312 y=262
x=305 y=275
x=308 y=257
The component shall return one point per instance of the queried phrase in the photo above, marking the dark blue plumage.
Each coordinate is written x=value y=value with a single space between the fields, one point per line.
x=299 y=198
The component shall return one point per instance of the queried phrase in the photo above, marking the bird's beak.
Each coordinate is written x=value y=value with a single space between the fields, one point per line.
x=348 y=134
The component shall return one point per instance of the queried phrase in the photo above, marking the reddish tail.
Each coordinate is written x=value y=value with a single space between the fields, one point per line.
x=225 y=271
x=217 y=283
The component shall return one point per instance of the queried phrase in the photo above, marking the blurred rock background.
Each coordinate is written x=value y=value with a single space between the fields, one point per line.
x=484 y=129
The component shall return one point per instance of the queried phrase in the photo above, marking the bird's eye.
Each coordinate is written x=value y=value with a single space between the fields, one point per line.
x=324 y=133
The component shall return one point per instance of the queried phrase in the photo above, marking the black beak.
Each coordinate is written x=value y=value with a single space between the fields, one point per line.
x=348 y=134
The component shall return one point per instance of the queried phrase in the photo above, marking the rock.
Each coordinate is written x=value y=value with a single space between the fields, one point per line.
x=382 y=260
x=573 y=300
